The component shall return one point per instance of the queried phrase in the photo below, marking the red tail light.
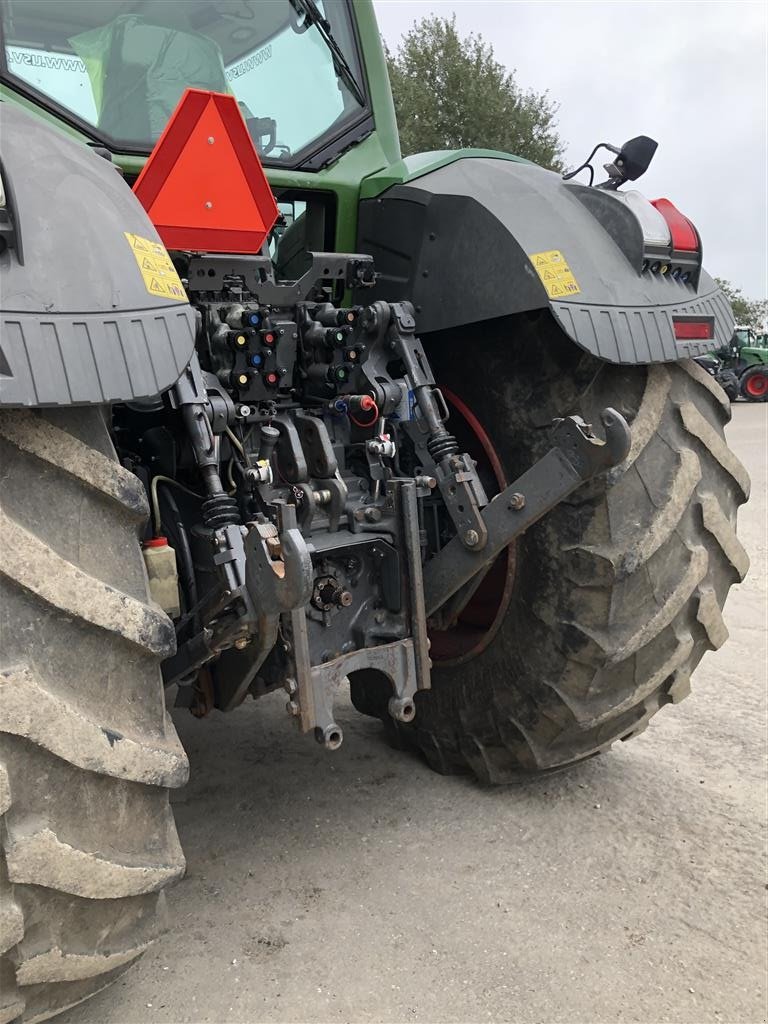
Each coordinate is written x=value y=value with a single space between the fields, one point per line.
x=690 y=329
x=684 y=236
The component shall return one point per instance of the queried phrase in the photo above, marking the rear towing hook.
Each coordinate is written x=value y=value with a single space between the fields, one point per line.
x=577 y=456
x=588 y=454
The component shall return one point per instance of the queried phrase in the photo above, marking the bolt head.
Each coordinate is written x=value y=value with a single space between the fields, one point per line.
x=471 y=538
x=516 y=502
x=292 y=708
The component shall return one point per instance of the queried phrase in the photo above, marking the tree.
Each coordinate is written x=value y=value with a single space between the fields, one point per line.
x=747 y=312
x=451 y=92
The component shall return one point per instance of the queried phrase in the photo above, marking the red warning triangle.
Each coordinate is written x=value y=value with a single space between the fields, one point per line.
x=203 y=185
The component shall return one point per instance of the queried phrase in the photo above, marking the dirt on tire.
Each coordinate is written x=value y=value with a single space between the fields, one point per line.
x=618 y=592
x=87 y=752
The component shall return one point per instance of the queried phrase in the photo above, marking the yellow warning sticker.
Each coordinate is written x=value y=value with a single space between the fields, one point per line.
x=159 y=274
x=556 y=276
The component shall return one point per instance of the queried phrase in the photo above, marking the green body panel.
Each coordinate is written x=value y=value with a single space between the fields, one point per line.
x=342 y=178
x=751 y=346
x=753 y=355
x=377 y=75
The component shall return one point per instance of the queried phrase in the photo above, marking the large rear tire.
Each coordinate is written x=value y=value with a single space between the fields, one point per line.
x=612 y=599
x=87 y=752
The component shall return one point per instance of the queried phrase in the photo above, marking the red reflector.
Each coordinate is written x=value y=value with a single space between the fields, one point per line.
x=684 y=237
x=203 y=185
x=694 y=330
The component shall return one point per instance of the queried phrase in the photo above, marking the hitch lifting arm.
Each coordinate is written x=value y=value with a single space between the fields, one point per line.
x=577 y=457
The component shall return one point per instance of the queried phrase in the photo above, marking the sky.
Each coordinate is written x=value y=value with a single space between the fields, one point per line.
x=692 y=75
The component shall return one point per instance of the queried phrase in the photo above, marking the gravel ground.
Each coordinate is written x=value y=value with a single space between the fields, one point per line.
x=358 y=886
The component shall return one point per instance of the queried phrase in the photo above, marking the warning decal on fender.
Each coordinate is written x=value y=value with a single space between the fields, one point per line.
x=556 y=276
x=154 y=263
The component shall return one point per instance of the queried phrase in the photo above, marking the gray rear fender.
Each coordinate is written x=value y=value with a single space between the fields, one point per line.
x=83 y=317
x=461 y=243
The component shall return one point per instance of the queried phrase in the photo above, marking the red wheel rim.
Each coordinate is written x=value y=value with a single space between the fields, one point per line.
x=479 y=621
x=757 y=385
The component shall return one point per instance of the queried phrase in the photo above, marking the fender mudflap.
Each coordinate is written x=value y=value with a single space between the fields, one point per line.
x=483 y=238
x=91 y=308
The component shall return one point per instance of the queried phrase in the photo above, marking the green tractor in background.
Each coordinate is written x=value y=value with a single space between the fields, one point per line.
x=440 y=436
x=747 y=356
x=741 y=366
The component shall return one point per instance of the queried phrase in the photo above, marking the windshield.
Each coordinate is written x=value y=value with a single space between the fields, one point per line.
x=121 y=66
x=744 y=336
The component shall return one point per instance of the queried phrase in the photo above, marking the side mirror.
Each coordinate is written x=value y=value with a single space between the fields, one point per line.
x=634 y=157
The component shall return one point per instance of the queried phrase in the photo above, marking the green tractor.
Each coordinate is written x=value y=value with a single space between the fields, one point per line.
x=428 y=427
x=741 y=366
x=747 y=355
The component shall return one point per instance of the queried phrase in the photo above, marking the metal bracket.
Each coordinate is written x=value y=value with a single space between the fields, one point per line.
x=455 y=472
x=464 y=498
x=272 y=570
x=405 y=663
x=278 y=567
x=209 y=273
x=408 y=508
x=313 y=691
x=577 y=457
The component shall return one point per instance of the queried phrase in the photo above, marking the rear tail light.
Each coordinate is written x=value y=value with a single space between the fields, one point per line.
x=694 y=328
x=683 y=233
x=655 y=228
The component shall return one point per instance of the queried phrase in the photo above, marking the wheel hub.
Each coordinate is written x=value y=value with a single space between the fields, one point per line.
x=757 y=385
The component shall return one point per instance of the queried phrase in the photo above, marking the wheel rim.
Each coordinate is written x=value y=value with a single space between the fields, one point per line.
x=480 y=619
x=756 y=386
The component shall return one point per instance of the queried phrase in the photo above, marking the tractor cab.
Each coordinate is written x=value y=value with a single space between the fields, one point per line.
x=116 y=70
x=743 y=337
x=748 y=348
